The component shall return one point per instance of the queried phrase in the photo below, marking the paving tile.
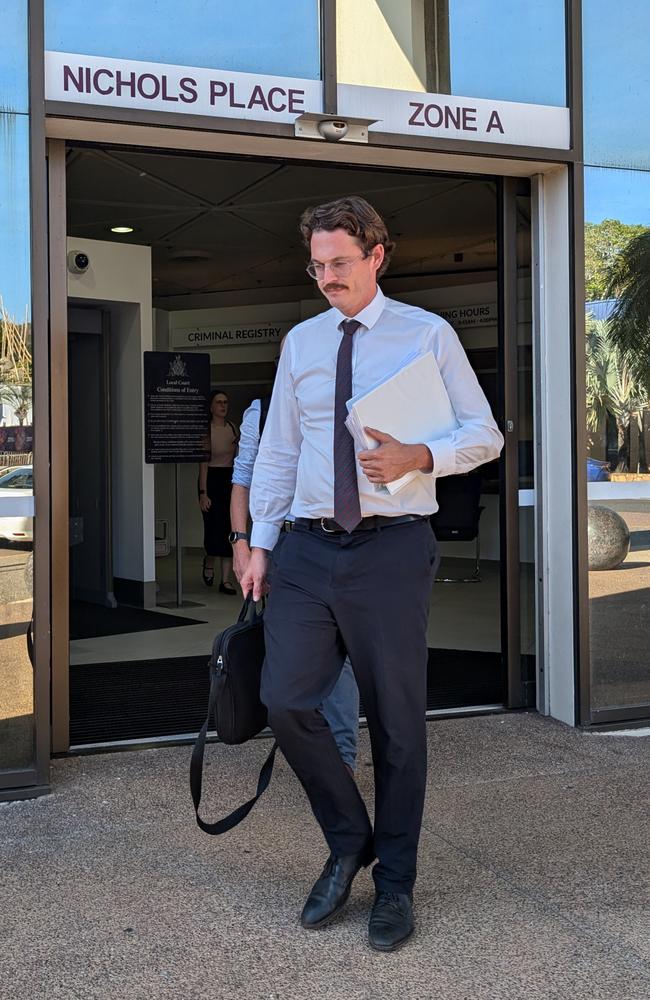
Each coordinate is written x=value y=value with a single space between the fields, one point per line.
x=499 y=747
x=527 y=889
x=579 y=844
x=128 y=919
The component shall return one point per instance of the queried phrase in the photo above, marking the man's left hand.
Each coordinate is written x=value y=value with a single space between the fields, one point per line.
x=392 y=459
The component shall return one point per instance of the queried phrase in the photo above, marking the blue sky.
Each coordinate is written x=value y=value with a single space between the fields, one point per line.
x=14 y=214
x=617 y=194
x=13 y=65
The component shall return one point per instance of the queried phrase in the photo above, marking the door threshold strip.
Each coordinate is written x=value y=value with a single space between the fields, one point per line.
x=183 y=739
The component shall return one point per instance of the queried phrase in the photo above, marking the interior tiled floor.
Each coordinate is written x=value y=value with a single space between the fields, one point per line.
x=463 y=615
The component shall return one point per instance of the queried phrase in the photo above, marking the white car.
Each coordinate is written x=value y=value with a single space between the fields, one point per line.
x=15 y=483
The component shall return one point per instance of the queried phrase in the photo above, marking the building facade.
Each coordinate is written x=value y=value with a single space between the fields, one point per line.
x=153 y=164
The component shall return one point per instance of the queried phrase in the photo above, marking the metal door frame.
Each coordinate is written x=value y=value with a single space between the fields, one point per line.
x=509 y=392
x=143 y=136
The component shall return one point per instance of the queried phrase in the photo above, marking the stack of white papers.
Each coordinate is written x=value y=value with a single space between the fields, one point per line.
x=412 y=405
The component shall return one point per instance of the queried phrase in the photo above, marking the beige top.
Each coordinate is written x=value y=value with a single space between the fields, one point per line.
x=223 y=441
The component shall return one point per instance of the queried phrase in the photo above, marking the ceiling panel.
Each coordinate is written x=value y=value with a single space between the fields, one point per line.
x=213 y=180
x=244 y=214
x=95 y=174
x=224 y=231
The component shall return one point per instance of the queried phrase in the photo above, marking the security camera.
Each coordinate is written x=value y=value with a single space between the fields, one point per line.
x=333 y=129
x=78 y=262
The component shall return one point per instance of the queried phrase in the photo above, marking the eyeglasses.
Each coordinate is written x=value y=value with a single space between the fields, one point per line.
x=339 y=268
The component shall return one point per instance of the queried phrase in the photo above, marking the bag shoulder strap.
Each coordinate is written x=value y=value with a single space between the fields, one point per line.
x=196 y=771
x=265 y=402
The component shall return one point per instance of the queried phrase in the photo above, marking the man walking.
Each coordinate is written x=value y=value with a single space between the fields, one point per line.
x=356 y=571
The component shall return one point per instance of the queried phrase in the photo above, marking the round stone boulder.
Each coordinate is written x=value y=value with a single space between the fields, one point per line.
x=609 y=538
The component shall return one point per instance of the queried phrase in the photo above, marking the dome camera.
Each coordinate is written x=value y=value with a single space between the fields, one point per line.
x=78 y=262
x=333 y=129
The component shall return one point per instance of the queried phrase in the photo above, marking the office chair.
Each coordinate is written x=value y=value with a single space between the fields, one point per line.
x=457 y=518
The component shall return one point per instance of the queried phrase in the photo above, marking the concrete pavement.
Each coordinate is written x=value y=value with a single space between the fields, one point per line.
x=533 y=878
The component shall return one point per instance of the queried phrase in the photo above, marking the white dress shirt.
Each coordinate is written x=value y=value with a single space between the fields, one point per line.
x=294 y=470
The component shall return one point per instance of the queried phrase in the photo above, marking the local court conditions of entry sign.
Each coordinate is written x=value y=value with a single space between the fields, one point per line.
x=176 y=391
x=176 y=420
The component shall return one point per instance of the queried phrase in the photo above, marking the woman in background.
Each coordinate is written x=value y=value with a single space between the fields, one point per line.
x=215 y=483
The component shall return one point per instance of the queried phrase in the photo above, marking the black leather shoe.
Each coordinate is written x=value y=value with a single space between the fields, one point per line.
x=207 y=572
x=391 y=920
x=332 y=889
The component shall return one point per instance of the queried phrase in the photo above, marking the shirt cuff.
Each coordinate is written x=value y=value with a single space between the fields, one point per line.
x=264 y=535
x=241 y=479
x=444 y=458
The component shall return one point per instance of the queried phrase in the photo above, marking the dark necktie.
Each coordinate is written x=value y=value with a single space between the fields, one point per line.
x=347 y=509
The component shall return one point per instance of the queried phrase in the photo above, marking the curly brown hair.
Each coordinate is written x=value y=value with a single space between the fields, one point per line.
x=357 y=217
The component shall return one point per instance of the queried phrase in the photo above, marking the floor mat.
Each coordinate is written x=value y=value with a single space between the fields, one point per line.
x=148 y=698
x=139 y=699
x=459 y=677
x=90 y=621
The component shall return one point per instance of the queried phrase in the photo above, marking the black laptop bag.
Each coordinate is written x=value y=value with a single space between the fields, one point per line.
x=234 y=704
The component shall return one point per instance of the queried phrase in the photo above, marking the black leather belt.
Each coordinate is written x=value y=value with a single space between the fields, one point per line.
x=374 y=523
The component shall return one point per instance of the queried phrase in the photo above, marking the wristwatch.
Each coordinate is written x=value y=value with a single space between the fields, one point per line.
x=236 y=536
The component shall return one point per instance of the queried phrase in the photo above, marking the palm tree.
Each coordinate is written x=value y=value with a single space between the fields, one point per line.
x=612 y=388
x=15 y=364
x=599 y=372
x=629 y=283
x=18 y=397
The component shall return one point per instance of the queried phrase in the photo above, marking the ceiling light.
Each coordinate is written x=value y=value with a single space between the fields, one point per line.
x=121 y=229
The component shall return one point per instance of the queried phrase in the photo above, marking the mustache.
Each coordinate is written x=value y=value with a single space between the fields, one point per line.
x=335 y=288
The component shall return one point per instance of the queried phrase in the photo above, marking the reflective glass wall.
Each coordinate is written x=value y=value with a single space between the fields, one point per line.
x=513 y=50
x=251 y=36
x=617 y=252
x=16 y=428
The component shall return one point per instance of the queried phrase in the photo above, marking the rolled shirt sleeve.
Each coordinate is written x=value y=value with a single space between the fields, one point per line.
x=477 y=439
x=274 y=476
x=248 y=445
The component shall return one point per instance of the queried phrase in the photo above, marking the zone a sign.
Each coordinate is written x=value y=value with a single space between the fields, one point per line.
x=128 y=83
x=444 y=115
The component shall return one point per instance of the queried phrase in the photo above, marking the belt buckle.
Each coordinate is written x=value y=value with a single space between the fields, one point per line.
x=328 y=531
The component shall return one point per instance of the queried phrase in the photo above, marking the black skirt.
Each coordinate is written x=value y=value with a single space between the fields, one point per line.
x=216 y=521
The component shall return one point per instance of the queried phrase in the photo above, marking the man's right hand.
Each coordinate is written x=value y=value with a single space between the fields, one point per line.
x=240 y=558
x=254 y=577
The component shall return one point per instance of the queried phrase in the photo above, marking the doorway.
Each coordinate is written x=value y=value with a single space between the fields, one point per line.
x=224 y=254
x=91 y=573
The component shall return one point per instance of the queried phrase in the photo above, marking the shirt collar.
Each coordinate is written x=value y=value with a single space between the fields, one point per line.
x=369 y=315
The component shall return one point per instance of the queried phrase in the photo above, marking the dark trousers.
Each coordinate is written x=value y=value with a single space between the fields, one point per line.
x=367 y=593
x=216 y=521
